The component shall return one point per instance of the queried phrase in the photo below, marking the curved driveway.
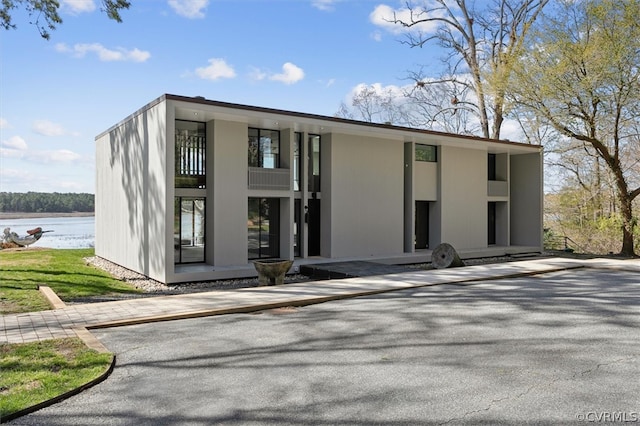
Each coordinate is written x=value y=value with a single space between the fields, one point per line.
x=559 y=348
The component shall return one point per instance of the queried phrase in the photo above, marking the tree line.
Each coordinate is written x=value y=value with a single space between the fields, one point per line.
x=46 y=202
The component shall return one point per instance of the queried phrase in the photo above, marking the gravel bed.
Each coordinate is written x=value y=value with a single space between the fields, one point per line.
x=152 y=288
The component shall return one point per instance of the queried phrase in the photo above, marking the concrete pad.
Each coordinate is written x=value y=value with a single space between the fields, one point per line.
x=49 y=324
x=559 y=348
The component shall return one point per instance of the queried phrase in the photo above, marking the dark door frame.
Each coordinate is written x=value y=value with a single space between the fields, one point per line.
x=421 y=224
x=313 y=228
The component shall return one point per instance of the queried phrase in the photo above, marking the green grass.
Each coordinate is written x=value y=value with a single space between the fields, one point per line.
x=65 y=271
x=31 y=373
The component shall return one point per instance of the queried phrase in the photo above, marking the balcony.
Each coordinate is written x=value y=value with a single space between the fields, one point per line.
x=269 y=179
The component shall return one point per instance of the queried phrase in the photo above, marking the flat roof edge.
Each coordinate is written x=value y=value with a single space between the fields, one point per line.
x=203 y=101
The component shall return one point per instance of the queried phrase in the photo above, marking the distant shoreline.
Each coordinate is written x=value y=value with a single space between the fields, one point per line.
x=16 y=215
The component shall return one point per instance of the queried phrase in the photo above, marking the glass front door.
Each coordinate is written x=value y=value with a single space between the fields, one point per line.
x=263 y=226
x=189 y=221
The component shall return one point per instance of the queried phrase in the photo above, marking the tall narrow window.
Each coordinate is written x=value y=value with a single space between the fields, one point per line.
x=190 y=145
x=297 y=148
x=314 y=163
x=189 y=241
x=264 y=148
x=491 y=223
x=297 y=227
x=263 y=228
x=491 y=167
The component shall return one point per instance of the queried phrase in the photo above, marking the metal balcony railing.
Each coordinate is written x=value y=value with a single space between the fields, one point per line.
x=273 y=179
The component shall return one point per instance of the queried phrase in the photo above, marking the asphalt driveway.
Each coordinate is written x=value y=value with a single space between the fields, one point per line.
x=560 y=348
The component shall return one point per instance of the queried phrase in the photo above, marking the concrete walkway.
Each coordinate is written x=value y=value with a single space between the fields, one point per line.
x=76 y=320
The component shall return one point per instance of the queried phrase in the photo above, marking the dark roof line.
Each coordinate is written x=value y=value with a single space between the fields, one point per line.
x=204 y=101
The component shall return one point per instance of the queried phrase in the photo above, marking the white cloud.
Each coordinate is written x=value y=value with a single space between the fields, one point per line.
x=63 y=156
x=78 y=6
x=106 y=55
x=14 y=147
x=326 y=5
x=257 y=74
x=383 y=14
x=331 y=82
x=391 y=90
x=55 y=156
x=137 y=55
x=4 y=124
x=290 y=74
x=25 y=180
x=48 y=128
x=15 y=143
x=191 y=9
x=217 y=69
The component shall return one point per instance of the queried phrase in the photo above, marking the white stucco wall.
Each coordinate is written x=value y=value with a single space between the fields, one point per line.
x=425 y=184
x=526 y=199
x=131 y=193
x=227 y=201
x=463 y=197
x=366 y=195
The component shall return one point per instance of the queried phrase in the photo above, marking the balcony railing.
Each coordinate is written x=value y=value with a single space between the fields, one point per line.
x=273 y=179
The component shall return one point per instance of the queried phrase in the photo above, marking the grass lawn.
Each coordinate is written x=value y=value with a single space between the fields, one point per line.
x=65 y=271
x=31 y=373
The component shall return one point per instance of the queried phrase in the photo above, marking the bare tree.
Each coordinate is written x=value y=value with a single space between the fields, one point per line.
x=582 y=78
x=483 y=47
x=435 y=106
x=377 y=104
x=440 y=104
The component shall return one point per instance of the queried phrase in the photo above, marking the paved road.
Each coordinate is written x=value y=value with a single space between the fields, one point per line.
x=559 y=348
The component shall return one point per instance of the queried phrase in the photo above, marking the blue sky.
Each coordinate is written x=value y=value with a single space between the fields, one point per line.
x=299 y=55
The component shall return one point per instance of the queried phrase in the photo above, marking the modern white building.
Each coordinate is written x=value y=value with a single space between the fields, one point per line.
x=191 y=189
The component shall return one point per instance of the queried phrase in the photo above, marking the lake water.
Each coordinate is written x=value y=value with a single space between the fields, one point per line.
x=68 y=232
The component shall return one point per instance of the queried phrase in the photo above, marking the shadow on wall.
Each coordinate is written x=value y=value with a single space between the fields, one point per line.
x=142 y=160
